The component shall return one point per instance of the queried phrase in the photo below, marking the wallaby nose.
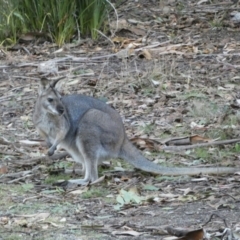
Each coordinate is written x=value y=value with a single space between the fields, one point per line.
x=60 y=109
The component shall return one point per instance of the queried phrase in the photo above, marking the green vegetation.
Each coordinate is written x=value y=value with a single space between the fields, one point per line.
x=55 y=178
x=202 y=153
x=58 y=20
x=91 y=16
x=217 y=22
x=147 y=128
x=171 y=178
x=95 y=192
x=237 y=147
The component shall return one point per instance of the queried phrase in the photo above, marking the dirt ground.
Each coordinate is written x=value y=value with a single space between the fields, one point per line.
x=171 y=71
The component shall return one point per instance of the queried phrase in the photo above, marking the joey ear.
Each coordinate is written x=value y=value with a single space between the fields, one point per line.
x=44 y=84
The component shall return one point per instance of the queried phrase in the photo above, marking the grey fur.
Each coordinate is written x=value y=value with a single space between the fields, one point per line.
x=91 y=131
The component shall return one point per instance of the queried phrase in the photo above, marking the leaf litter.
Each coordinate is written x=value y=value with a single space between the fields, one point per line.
x=171 y=72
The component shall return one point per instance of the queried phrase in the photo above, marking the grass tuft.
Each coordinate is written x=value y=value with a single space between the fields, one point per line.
x=61 y=20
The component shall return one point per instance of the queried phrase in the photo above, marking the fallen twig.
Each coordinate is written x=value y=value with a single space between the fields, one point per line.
x=180 y=148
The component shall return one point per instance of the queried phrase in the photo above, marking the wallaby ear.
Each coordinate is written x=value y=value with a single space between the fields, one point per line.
x=44 y=84
x=57 y=84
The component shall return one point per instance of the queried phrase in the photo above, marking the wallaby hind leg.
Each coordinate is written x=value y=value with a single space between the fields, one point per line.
x=91 y=173
x=78 y=158
x=90 y=166
x=99 y=137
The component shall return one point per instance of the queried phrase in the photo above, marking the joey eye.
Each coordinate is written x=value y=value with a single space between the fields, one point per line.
x=50 y=100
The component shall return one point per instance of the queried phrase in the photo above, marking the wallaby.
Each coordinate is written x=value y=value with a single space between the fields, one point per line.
x=91 y=131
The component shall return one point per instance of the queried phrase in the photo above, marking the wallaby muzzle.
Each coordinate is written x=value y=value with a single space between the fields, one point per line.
x=60 y=109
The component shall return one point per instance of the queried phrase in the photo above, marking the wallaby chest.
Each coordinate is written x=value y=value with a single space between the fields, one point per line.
x=51 y=125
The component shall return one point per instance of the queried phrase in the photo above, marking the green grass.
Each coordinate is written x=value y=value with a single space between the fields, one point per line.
x=217 y=22
x=59 y=20
x=233 y=119
x=95 y=192
x=202 y=153
x=54 y=178
x=192 y=94
x=91 y=16
x=147 y=128
x=237 y=147
x=171 y=178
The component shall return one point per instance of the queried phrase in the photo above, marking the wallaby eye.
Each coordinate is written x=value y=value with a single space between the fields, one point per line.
x=50 y=100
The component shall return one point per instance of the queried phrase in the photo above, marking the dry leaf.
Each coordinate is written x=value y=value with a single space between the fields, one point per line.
x=185 y=234
x=199 y=139
x=3 y=169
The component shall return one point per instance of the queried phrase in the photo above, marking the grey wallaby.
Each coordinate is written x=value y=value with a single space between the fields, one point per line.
x=91 y=131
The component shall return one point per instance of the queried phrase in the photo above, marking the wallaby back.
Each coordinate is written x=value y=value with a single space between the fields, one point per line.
x=92 y=131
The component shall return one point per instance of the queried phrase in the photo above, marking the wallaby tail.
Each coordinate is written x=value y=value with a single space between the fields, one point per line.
x=134 y=157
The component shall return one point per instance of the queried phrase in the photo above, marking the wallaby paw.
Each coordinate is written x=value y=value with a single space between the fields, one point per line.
x=51 y=152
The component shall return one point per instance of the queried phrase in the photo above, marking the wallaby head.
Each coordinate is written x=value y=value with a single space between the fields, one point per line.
x=49 y=97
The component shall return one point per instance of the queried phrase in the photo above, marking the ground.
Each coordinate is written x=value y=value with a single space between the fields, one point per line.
x=172 y=73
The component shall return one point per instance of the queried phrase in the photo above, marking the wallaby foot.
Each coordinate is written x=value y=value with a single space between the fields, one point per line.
x=77 y=182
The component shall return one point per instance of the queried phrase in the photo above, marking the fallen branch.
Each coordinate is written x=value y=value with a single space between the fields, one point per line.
x=180 y=148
